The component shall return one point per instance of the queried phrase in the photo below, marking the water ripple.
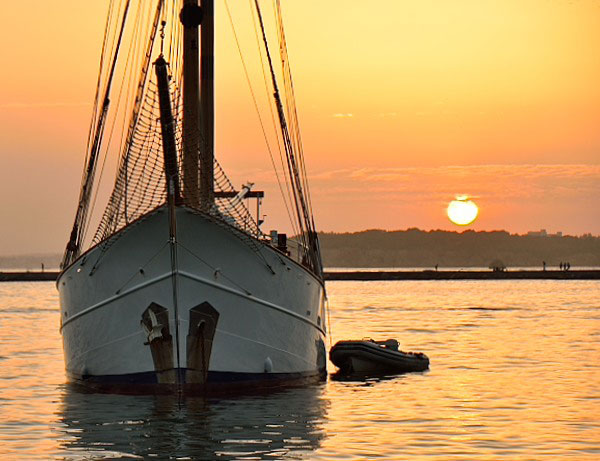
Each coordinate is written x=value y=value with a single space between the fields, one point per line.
x=514 y=373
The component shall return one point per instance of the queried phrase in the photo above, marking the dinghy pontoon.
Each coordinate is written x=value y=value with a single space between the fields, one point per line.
x=369 y=356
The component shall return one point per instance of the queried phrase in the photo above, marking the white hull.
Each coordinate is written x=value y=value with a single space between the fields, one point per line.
x=266 y=311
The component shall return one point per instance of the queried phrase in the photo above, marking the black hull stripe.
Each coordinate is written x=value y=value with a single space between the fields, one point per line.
x=218 y=382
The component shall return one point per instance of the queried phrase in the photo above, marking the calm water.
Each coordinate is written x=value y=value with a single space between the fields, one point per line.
x=515 y=373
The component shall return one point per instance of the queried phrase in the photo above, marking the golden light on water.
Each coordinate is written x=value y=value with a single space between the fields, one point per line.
x=462 y=211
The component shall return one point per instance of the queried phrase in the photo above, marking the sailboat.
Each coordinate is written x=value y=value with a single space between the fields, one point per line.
x=179 y=289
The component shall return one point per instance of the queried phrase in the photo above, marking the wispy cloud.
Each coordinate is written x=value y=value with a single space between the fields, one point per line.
x=475 y=180
x=492 y=182
x=517 y=198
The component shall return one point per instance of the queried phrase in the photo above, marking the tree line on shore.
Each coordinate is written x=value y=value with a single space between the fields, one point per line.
x=417 y=248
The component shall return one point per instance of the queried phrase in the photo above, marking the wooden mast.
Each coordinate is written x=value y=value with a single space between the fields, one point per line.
x=207 y=104
x=191 y=17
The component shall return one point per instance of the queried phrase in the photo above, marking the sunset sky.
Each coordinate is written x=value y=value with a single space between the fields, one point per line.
x=402 y=105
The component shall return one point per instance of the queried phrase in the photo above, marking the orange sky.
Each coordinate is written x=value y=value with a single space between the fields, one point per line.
x=402 y=104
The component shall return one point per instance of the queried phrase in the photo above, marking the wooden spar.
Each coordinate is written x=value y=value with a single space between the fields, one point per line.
x=191 y=17
x=168 y=130
x=208 y=103
x=172 y=176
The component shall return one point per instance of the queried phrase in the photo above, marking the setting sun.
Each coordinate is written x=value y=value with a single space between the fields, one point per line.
x=462 y=211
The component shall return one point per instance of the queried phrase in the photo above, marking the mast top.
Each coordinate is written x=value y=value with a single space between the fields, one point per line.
x=191 y=14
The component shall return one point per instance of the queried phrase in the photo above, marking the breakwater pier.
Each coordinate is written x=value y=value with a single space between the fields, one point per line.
x=464 y=275
x=357 y=275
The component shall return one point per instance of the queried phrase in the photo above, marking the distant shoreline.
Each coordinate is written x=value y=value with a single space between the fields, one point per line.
x=381 y=275
x=464 y=275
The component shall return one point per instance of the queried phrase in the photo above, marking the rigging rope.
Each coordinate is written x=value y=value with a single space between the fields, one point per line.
x=130 y=71
x=293 y=116
x=308 y=234
x=75 y=242
x=269 y=95
x=259 y=116
x=139 y=186
x=139 y=98
x=98 y=84
x=290 y=99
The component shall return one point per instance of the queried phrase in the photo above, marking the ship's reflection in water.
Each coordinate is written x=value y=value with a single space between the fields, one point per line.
x=274 y=426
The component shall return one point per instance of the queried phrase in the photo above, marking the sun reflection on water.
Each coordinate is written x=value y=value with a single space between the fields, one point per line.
x=514 y=373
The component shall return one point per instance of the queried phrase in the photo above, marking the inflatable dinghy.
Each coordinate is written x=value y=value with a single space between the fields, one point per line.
x=369 y=356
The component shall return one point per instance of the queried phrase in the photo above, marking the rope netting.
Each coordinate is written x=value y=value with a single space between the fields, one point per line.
x=140 y=184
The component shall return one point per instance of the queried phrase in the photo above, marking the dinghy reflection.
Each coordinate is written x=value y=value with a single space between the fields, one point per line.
x=369 y=379
x=274 y=426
